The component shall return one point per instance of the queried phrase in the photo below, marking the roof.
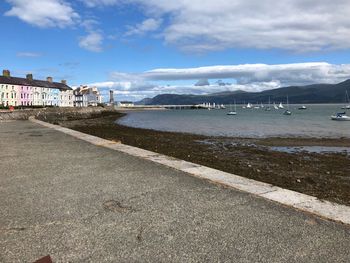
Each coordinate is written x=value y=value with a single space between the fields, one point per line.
x=83 y=90
x=34 y=83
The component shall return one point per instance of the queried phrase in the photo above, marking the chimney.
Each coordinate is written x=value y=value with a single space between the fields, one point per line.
x=29 y=76
x=6 y=73
x=49 y=79
x=63 y=81
x=111 y=97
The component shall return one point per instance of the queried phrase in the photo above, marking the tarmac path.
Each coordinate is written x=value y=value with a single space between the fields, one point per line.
x=79 y=202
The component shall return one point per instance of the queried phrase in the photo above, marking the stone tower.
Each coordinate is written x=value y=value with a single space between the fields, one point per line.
x=111 y=97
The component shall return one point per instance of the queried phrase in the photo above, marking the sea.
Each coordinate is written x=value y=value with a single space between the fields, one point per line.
x=314 y=122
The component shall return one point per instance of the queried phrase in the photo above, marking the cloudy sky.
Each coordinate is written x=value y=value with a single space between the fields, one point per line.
x=141 y=48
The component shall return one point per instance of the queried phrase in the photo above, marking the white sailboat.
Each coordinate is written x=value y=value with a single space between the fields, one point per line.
x=346 y=107
x=268 y=108
x=232 y=112
x=287 y=111
x=249 y=106
x=275 y=106
x=280 y=106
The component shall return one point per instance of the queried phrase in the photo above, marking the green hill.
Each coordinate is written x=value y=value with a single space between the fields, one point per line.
x=316 y=93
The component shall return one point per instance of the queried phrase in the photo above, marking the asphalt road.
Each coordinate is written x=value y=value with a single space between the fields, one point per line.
x=82 y=203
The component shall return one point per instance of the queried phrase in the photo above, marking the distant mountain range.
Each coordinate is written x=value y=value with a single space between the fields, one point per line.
x=317 y=93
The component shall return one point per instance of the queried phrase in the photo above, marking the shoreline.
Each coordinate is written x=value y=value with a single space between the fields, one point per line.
x=326 y=176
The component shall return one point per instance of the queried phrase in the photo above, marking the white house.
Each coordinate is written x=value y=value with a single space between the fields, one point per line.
x=87 y=96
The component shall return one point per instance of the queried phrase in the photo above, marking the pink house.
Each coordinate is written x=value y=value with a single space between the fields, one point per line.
x=25 y=96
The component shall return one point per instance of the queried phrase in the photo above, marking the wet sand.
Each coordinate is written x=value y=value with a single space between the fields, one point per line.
x=326 y=176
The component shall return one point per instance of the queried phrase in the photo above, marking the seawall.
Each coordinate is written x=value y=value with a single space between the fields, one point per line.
x=53 y=114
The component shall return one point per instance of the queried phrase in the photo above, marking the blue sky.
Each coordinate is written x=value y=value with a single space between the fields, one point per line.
x=123 y=44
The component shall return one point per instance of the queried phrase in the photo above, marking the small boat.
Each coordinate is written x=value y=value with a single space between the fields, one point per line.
x=232 y=112
x=346 y=107
x=275 y=106
x=256 y=107
x=302 y=108
x=268 y=108
x=287 y=111
x=222 y=106
x=340 y=116
x=280 y=106
x=249 y=106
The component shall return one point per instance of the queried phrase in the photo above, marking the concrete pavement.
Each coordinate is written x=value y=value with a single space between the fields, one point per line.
x=83 y=203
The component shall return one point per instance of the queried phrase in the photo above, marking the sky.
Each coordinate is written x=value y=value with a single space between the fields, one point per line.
x=141 y=48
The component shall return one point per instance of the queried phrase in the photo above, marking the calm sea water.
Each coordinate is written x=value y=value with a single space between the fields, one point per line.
x=313 y=122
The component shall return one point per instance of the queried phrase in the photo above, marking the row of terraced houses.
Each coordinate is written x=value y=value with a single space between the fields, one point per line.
x=28 y=91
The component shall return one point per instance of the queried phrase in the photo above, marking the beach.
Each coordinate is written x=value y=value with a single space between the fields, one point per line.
x=324 y=175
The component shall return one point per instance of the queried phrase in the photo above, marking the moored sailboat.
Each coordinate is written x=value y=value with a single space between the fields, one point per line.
x=232 y=112
x=346 y=107
x=287 y=111
x=268 y=108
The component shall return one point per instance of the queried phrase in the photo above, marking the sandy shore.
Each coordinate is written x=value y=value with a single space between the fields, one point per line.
x=326 y=176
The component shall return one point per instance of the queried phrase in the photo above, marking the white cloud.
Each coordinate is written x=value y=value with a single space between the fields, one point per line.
x=92 y=42
x=248 y=77
x=43 y=13
x=28 y=54
x=137 y=90
x=286 y=74
x=298 y=25
x=96 y=3
x=147 y=25
x=205 y=25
